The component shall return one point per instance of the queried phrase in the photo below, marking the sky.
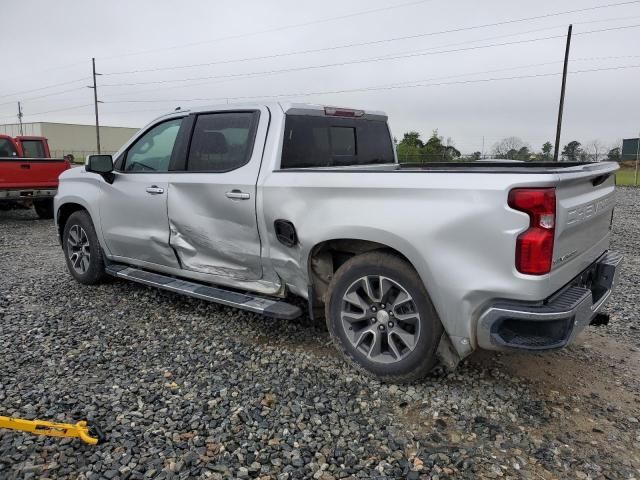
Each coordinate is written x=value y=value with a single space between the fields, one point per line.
x=477 y=71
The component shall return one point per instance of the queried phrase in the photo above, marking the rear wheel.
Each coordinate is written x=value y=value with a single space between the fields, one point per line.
x=380 y=316
x=82 y=250
x=44 y=208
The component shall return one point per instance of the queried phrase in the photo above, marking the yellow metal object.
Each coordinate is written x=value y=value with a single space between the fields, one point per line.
x=79 y=430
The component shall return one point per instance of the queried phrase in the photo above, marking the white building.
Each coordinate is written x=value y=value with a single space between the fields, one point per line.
x=79 y=140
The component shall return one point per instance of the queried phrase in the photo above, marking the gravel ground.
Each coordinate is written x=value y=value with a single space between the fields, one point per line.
x=186 y=389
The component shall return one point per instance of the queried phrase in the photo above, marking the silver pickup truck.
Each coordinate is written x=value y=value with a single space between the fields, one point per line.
x=247 y=205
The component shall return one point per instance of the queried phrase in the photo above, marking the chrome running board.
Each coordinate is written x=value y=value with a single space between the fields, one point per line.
x=265 y=306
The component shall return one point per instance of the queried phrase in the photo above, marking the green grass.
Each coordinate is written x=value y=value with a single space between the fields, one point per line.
x=626 y=177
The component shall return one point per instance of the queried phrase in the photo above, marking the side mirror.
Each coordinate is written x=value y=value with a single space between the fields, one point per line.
x=102 y=165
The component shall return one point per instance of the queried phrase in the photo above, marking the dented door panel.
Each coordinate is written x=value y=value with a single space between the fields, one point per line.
x=211 y=233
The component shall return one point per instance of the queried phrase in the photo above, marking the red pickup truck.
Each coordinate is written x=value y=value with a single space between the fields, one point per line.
x=28 y=174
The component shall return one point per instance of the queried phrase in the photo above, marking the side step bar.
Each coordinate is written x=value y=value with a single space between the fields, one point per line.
x=265 y=306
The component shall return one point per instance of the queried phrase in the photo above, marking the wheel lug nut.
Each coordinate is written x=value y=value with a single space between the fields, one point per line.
x=373 y=308
x=390 y=324
x=391 y=314
x=381 y=327
x=373 y=320
x=382 y=305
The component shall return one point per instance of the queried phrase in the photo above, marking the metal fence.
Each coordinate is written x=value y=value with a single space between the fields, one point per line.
x=78 y=155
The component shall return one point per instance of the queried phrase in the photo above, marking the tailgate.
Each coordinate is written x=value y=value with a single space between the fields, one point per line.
x=584 y=203
x=17 y=173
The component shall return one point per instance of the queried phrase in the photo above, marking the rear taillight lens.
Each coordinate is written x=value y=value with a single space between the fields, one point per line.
x=534 y=247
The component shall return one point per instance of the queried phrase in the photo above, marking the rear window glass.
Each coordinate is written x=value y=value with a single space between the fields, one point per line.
x=6 y=148
x=33 y=148
x=311 y=141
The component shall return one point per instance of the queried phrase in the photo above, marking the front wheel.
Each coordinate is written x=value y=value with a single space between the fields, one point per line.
x=82 y=250
x=380 y=316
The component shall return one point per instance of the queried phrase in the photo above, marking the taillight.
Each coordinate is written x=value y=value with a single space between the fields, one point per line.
x=534 y=246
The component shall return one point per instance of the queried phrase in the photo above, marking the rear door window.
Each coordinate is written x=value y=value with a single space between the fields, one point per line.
x=312 y=141
x=222 y=142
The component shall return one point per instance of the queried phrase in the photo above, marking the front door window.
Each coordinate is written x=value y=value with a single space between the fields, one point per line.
x=152 y=151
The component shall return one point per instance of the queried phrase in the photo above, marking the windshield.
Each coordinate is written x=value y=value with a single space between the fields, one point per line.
x=6 y=148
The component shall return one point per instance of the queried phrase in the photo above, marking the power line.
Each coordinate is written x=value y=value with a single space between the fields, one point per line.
x=454 y=30
x=29 y=99
x=410 y=82
x=271 y=30
x=329 y=48
x=292 y=53
x=316 y=50
x=359 y=61
x=423 y=50
x=416 y=84
x=379 y=41
x=76 y=107
x=83 y=79
x=326 y=65
x=518 y=67
x=382 y=58
x=364 y=12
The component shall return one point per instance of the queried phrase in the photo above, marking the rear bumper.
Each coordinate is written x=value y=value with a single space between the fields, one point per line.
x=27 y=193
x=554 y=322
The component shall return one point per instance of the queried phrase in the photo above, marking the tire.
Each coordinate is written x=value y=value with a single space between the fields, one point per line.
x=369 y=331
x=44 y=208
x=82 y=250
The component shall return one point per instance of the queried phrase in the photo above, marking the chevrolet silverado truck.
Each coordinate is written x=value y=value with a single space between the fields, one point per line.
x=28 y=174
x=249 y=205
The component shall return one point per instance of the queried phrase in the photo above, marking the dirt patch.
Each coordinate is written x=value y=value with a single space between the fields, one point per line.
x=595 y=367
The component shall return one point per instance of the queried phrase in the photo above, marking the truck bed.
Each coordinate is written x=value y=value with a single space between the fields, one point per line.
x=30 y=173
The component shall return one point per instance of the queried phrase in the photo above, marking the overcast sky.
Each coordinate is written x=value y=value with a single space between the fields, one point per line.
x=50 y=44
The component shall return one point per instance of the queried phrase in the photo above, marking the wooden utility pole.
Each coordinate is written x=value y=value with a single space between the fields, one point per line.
x=562 y=90
x=95 y=103
x=635 y=180
x=20 y=118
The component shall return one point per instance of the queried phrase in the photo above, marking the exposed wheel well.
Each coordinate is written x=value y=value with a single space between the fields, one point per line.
x=327 y=257
x=64 y=212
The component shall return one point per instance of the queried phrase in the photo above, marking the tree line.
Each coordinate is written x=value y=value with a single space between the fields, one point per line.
x=438 y=149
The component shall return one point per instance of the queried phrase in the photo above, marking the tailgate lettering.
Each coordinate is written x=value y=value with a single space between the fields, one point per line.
x=585 y=212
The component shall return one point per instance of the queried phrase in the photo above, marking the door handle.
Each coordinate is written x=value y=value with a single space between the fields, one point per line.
x=155 y=190
x=238 y=195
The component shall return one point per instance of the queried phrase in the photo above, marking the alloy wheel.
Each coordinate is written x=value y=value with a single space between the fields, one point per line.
x=78 y=249
x=380 y=318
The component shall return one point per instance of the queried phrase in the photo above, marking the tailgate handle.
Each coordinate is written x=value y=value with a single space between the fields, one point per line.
x=600 y=179
x=26 y=166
